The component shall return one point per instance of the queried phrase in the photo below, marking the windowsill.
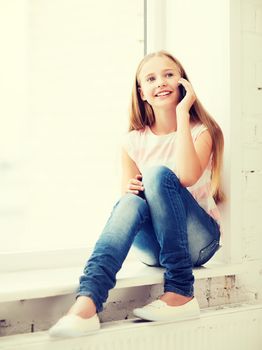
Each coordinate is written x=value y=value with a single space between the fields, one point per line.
x=31 y=284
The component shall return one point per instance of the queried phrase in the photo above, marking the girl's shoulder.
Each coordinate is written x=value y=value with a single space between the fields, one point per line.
x=140 y=131
x=130 y=138
x=137 y=133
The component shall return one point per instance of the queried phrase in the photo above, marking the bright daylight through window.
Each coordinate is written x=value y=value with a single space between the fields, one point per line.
x=68 y=80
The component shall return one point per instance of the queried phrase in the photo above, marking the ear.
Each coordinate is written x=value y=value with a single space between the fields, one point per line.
x=141 y=94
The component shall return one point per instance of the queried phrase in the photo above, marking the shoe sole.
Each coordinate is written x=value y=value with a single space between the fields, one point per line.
x=68 y=334
x=147 y=317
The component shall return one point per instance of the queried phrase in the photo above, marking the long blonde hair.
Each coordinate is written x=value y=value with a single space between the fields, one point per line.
x=142 y=114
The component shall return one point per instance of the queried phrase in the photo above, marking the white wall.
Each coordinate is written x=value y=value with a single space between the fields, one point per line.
x=251 y=128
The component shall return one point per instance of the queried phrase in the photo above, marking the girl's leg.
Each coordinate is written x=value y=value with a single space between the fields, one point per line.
x=128 y=215
x=112 y=247
x=146 y=246
x=182 y=229
x=202 y=231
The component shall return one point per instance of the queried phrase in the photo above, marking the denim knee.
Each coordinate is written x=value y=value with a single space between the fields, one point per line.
x=131 y=202
x=156 y=176
x=125 y=213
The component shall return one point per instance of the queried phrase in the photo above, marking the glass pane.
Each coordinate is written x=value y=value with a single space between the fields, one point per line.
x=60 y=170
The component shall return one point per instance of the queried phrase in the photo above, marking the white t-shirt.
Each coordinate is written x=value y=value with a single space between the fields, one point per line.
x=147 y=149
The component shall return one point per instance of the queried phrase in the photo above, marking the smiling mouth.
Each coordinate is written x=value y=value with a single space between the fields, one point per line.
x=163 y=93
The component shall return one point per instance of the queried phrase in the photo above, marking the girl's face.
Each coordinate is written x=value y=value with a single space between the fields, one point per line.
x=158 y=80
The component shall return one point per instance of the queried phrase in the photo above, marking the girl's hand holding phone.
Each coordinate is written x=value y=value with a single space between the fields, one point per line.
x=135 y=185
x=187 y=101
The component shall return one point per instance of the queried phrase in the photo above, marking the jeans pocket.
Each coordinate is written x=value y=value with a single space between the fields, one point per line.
x=206 y=253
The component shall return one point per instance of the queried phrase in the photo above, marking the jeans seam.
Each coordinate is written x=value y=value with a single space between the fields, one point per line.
x=216 y=242
x=167 y=179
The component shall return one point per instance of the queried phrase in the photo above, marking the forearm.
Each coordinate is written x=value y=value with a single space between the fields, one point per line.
x=188 y=166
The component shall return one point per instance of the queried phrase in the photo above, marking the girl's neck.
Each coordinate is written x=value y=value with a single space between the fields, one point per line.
x=165 y=121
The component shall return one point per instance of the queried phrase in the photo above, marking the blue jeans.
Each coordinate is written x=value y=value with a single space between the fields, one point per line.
x=165 y=225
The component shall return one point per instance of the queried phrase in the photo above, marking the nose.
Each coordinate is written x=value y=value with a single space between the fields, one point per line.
x=161 y=82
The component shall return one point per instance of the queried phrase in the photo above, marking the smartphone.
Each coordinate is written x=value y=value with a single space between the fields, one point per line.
x=182 y=91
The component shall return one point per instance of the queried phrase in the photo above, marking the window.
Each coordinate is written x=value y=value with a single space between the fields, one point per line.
x=68 y=75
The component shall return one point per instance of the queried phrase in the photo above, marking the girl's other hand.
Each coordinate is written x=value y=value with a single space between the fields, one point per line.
x=135 y=185
x=186 y=103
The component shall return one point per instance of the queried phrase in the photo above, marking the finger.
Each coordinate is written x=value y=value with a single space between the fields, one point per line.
x=134 y=192
x=135 y=182
x=183 y=80
x=187 y=85
x=135 y=187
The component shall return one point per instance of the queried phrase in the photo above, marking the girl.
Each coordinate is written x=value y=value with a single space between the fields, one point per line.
x=171 y=162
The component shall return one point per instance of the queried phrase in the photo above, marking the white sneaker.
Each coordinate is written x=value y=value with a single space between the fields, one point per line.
x=158 y=310
x=74 y=326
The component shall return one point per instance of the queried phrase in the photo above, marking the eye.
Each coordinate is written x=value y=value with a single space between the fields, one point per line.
x=150 y=78
x=169 y=75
